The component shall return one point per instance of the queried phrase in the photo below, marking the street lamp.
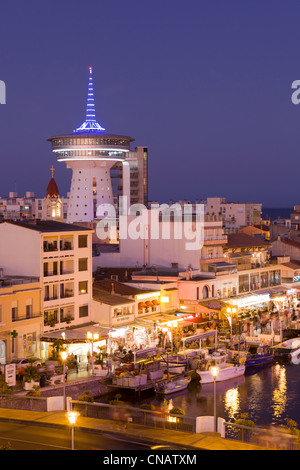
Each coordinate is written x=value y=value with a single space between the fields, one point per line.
x=231 y=311
x=64 y=356
x=92 y=337
x=72 y=417
x=215 y=371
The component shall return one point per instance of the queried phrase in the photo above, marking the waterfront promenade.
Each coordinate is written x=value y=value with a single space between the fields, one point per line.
x=130 y=431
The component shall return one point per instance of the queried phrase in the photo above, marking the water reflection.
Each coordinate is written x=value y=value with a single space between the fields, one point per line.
x=269 y=394
x=279 y=397
x=232 y=403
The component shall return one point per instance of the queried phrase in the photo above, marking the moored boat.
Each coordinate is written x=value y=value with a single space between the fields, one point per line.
x=172 y=386
x=226 y=370
x=262 y=355
x=175 y=363
x=251 y=355
x=288 y=350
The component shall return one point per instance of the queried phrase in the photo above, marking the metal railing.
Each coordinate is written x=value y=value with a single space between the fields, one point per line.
x=129 y=414
x=270 y=437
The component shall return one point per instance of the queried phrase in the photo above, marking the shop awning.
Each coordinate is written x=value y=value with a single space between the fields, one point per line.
x=272 y=291
x=75 y=335
x=206 y=334
x=213 y=305
x=158 y=318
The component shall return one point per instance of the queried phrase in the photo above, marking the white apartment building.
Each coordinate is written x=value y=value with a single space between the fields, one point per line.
x=234 y=214
x=58 y=254
x=152 y=249
x=29 y=207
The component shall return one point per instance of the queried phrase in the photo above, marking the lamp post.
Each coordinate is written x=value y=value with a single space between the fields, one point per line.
x=92 y=337
x=215 y=371
x=231 y=311
x=72 y=417
x=64 y=356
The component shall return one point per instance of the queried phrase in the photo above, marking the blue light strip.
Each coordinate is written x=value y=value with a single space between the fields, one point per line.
x=90 y=124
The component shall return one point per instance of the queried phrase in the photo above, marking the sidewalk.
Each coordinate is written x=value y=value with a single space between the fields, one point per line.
x=204 y=441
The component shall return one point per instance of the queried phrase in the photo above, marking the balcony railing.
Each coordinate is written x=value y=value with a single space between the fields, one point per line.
x=26 y=317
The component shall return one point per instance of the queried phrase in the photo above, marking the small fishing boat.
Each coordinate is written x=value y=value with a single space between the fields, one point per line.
x=250 y=355
x=260 y=356
x=175 y=363
x=226 y=371
x=288 y=350
x=172 y=387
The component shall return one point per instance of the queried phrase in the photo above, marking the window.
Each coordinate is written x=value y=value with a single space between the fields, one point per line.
x=205 y=292
x=28 y=311
x=14 y=313
x=82 y=241
x=83 y=264
x=83 y=287
x=83 y=311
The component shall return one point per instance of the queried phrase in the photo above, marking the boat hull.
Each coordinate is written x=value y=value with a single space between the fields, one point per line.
x=226 y=373
x=173 y=387
x=259 y=361
x=288 y=350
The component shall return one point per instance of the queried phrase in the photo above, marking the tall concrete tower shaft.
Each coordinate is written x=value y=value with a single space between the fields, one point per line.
x=91 y=153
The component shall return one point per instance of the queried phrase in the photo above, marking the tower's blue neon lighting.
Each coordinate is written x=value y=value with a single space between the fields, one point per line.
x=90 y=124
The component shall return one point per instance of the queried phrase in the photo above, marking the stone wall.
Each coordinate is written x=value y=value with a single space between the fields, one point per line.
x=75 y=389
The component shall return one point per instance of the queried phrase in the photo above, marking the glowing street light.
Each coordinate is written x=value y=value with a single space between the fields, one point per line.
x=231 y=311
x=72 y=417
x=215 y=372
x=92 y=337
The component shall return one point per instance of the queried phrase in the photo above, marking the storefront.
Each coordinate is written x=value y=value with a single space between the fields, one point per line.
x=76 y=341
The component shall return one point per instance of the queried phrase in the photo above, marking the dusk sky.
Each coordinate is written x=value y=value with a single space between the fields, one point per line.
x=206 y=85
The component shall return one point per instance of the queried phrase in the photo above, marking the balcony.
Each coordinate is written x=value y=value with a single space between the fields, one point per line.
x=50 y=247
x=25 y=317
x=217 y=240
x=67 y=293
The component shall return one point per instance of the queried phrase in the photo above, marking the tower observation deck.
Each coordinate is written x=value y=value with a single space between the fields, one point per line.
x=91 y=153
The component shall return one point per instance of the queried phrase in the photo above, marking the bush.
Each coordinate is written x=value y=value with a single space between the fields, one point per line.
x=7 y=446
x=291 y=427
x=31 y=374
x=177 y=411
x=148 y=406
x=244 y=421
x=35 y=392
x=4 y=388
x=86 y=397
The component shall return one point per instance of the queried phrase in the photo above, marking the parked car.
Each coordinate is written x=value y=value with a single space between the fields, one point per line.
x=21 y=363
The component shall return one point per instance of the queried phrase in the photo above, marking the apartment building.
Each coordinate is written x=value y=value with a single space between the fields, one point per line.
x=29 y=207
x=21 y=318
x=58 y=254
x=234 y=214
x=138 y=164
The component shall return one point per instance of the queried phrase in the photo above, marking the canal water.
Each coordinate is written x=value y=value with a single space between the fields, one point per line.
x=269 y=395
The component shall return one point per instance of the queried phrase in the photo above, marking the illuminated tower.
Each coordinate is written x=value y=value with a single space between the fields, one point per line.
x=91 y=153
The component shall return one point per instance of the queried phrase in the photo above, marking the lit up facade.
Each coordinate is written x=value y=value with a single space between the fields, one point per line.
x=91 y=153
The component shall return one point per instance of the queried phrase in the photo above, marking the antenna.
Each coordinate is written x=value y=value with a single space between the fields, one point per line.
x=90 y=124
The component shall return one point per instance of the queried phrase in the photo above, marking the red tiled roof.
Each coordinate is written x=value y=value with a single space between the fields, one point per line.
x=119 y=288
x=242 y=240
x=291 y=242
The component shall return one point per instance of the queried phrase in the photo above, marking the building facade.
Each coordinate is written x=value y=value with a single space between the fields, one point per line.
x=21 y=318
x=59 y=255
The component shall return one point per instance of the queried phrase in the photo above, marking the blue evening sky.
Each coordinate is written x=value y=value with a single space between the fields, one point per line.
x=205 y=84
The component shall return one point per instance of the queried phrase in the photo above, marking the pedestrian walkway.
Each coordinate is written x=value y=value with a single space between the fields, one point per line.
x=135 y=432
